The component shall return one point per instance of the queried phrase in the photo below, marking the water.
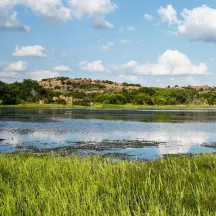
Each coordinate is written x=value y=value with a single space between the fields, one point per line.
x=134 y=133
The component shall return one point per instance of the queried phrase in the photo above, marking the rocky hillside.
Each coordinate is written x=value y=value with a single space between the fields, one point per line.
x=66 y=85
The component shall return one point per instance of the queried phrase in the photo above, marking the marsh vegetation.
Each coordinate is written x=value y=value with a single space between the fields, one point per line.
x=50 y=185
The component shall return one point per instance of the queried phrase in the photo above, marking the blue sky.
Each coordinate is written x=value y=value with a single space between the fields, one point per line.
x=155 y=43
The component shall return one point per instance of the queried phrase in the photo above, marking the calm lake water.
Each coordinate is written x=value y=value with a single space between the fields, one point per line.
x=135 y=133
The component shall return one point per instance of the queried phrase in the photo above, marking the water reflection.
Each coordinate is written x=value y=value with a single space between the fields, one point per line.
x=148 y=134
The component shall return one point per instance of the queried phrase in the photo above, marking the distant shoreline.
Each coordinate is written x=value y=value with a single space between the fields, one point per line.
x=105 y=106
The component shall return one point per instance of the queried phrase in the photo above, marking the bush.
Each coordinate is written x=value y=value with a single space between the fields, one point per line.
x=84 y=102
x=61 y=101
x=142 y=99
x=118 y=99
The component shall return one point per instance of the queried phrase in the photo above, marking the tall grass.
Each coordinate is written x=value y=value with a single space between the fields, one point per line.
x=49 y=185
x=104 y=106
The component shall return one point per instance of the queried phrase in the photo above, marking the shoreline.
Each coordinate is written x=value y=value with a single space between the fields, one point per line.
x=111 y=106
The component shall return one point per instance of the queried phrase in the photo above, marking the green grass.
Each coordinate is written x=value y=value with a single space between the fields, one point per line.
x=102 y=106
x=50 y=185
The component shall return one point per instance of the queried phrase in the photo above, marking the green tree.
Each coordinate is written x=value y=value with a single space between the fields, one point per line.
x=142 y=99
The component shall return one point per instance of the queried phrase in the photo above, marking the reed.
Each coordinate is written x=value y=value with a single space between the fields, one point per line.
x=50 y=185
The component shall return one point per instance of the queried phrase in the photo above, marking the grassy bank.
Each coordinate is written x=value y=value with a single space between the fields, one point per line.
x=48 y=185
x=104 y=106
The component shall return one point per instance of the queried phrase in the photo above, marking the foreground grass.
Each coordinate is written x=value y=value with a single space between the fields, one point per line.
x=101 y=106
x=49 y=185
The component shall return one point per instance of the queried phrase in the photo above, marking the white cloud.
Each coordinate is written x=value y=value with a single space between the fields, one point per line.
x=54 y=11
x=9 y=70
x=199 y=24
x=127 y=66
x=42 y=74
x=108 y=46
x=99 y=22
x=9 y=21
x=148 y=17
x=128 y=28
x=96 y=9
x=81 y=8
x=31 y=51
x=16 y=67
x=170 y=63
x=95 y=66
x=51 y=10
x=168 y=14
x=62 y=68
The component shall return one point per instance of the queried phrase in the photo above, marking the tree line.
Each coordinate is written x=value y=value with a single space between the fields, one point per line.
x=30 y=91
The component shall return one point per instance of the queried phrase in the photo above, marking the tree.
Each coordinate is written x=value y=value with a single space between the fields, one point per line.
x=117 y=99
x=142 y=99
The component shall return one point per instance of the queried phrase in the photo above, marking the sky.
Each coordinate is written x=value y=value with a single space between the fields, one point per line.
x=154 y=43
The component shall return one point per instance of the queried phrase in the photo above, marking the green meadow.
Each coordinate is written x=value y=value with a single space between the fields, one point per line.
x=53 y=185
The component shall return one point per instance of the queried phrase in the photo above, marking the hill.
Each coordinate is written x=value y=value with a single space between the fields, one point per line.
x=68 y=85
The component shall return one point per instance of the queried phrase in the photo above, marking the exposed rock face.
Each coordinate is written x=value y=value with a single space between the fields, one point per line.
x=204 y=87
x=64 y=84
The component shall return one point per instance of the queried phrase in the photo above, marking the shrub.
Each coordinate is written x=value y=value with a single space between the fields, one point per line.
x=142 y=99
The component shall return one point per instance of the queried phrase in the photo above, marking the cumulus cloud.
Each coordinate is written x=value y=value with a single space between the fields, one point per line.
x=170 y=63
x=16 y=67
x=148 y=17
x=9 y=70
x=54 y=11
x=197 y=24
x=42 y=74
x=168 y=14
x=127 y=66
x=91 y=7
x=96 y=9
x=62 y=68
x=99 y=22
x=31 y=51
x=95 y=66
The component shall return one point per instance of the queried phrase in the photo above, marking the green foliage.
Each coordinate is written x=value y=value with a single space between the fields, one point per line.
x=49 y=185
x=111 y=99
x=61 y=101
x=108 y=82
x=142 y=99
x=83 y=102
x=30 y=91
x=57 y=87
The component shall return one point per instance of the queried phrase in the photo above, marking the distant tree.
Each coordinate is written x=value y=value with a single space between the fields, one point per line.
x=142 y=99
